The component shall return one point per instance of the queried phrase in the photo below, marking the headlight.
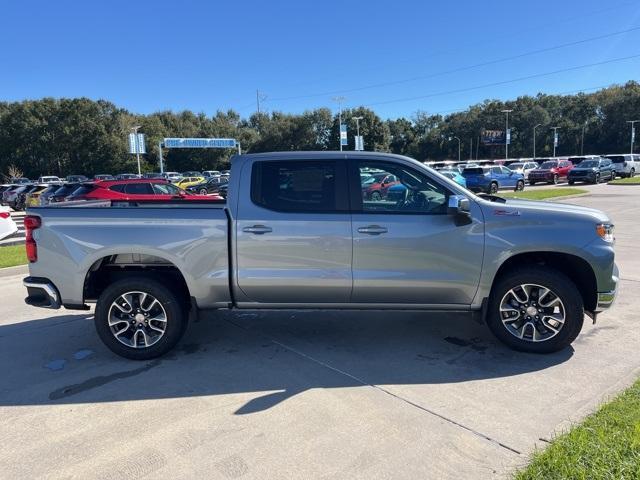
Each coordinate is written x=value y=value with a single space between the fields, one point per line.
x=605 y=231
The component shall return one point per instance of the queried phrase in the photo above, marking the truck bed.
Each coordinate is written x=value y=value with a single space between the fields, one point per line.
x=72 y=242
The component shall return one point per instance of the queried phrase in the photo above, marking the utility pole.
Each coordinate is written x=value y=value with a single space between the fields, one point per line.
x=339 y=101
x=584 y=127
x=534 y=139
x=555 y=139
x=471 y=149
x=458 y=147
x=507 y=135
x=135 y=132
x=633 y=131
x=260 y=97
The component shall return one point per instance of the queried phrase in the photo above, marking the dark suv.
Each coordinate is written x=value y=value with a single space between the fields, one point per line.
x=593 y=170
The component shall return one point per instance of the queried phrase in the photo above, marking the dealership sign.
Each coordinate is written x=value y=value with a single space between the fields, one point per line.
x=200 y=143
x=493 y=137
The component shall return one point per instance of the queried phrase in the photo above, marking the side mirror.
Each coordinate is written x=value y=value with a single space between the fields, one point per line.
x=458 y=206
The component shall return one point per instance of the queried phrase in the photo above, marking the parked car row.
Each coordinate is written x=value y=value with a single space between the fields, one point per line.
x=22 y=196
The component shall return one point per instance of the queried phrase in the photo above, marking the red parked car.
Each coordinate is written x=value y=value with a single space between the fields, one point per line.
x=551 y=171
x=375 y=187
x=135 y=189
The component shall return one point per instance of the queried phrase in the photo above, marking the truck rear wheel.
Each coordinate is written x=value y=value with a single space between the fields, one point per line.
x=536 y=310
x=139 y=318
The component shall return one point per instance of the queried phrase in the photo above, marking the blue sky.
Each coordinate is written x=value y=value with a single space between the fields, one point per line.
x=204 y=55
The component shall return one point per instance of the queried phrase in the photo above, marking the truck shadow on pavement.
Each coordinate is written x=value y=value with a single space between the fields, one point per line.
x=263 y=358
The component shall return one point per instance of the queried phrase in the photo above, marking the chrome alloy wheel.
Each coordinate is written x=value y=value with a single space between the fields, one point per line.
x=532 y=313
x=137 y=319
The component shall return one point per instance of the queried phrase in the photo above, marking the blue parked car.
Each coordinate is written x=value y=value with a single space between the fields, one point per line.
x=455 y=176
x=490 y=179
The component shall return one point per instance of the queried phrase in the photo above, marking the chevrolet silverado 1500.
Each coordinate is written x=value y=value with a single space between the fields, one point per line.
x=297 y=232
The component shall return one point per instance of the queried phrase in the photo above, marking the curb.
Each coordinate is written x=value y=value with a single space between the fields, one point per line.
x=624 y=184
x=577 y=195
x=13 y=271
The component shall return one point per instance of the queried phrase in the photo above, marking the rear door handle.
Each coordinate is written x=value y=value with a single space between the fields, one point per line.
x=257 y=229
x=372 y=230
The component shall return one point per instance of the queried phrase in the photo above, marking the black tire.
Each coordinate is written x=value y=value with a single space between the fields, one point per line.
x=571 y=182
x=565 y=289
x=176 y=318
x=203 y=191
x=597 y=180
x=376 y=197
x=519 y=186
x=632 y=173
x=493 y=188
x=555 y=180
x=532 y=183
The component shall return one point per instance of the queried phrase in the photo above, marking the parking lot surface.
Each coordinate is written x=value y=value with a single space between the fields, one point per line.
x=305 y=394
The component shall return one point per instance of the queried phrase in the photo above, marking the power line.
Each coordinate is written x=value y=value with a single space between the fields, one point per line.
x=568 y=92
x=511 y=34
x=502 y=82
x=459 y=69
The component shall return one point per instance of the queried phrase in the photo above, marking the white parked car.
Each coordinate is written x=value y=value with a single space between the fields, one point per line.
x=7 y=225
x=173 y=176
x=49 y=179
x=524 y=168
x=624 y=164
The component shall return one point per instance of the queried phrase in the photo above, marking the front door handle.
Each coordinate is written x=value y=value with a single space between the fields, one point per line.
x=257 y=229
x=372 y=230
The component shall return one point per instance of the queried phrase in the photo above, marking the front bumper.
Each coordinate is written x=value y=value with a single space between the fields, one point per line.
x=608 y=298
x=540 y=177
x=589 y=177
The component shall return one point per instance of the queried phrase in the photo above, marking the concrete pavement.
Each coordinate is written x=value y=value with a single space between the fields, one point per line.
x=305 y=394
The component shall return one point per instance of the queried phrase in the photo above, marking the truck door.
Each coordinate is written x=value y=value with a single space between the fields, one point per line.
x=406 y=248
x=293 y=233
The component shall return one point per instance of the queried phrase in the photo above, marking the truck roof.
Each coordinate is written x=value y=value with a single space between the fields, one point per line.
x=317 y=155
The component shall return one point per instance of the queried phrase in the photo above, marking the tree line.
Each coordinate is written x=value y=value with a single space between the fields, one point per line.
x=83 y=136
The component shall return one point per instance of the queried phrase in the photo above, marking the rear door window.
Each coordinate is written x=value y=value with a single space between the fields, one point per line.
x=299 y=186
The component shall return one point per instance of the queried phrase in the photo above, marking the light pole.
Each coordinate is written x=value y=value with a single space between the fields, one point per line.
x=584 y=127
x=534 y=139
x=339 y=101
x=357 y=119
x=506 y=134
x=135 y=132
x=633 y=131
x=458 y=147
x=555 y=136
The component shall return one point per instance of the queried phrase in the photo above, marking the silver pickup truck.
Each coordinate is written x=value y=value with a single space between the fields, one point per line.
x=325 y=230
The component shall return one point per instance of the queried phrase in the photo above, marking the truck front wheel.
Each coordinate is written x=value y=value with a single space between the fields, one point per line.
x=139 y=318
x=536 y=310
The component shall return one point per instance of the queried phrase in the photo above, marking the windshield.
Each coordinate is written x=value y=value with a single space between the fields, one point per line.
x=548 y=165
x=589 y=164
x=515 y=166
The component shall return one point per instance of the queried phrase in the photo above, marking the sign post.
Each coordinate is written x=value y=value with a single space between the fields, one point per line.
x=198 y=143
x=555 y=139
x=343 y=135
x=136 y=145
